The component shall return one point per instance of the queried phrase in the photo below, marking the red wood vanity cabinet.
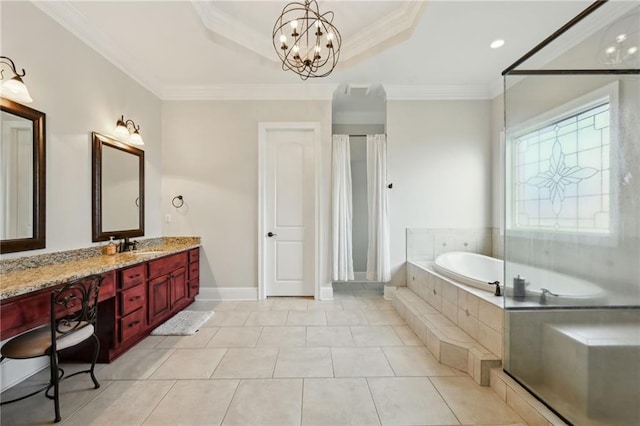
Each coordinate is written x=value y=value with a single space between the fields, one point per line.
x=132 y=302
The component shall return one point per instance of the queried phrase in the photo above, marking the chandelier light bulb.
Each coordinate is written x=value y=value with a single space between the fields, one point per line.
x=610 y=50
x=632 y=50
x=283 y=39
x=294 y=24
x=621 y=38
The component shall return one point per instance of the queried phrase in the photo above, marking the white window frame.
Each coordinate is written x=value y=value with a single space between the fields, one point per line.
x=608 y=93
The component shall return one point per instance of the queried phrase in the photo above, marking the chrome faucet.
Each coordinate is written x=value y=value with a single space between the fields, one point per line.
x=543 y=295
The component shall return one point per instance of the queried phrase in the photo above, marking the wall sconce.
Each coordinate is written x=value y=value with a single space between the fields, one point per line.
x=14 y=88
x=128 y=131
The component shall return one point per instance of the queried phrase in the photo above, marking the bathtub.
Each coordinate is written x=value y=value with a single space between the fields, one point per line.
x=477 y=271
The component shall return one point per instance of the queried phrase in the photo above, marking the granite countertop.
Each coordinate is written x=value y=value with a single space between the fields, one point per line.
x=32 y=279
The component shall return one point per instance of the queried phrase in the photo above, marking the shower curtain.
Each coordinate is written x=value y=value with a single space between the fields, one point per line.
x=378 y=263
x=342 y=209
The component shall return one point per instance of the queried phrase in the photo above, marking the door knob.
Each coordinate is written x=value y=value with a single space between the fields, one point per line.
x=271 y=234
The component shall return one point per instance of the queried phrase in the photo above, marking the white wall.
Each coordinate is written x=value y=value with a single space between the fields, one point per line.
x=210 y=157
x=439 y=161
x=80 y=92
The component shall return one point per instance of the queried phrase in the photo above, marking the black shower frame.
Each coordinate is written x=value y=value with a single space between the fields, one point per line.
x=512 y=71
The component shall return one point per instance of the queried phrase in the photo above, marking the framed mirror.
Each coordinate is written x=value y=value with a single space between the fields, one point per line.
x=117 y=204
x=22 y=174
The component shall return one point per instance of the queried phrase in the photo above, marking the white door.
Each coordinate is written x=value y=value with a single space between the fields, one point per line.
x=289 y=211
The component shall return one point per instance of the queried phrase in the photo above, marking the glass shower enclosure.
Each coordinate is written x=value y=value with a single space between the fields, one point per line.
x=572 y=218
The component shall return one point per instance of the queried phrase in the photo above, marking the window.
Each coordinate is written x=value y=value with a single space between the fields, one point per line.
x=560 y=172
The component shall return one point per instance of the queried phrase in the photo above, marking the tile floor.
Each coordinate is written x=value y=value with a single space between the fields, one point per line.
x=283 y=361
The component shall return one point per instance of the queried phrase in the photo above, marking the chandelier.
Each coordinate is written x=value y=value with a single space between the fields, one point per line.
x=306 y=41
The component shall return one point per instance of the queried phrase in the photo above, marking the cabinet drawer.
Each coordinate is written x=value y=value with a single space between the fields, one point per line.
x=194 y=287
x=167 y=264
x=194 y=255
x=132 y=276
x=108 y=286
x=131 y=324
x=132 y=299
x=194 y=271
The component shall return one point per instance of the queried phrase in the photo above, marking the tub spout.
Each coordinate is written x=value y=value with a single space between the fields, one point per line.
x=497 y=284
x=543 y=295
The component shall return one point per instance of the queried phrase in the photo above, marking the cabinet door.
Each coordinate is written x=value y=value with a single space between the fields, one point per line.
x=159 y=298
x=179 y=290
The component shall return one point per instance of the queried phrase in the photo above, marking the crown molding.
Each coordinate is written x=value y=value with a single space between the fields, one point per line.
x=402 y=20
x=436 y=92
x=246 y=92
x=70 y=18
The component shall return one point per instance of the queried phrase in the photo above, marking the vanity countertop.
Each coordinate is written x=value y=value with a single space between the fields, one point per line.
x=32 y=279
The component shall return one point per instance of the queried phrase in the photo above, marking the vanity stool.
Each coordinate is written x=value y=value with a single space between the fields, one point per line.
x=74 y=311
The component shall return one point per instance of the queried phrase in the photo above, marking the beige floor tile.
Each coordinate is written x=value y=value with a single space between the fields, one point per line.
x=304 y=362
x=378 y=317
x=415 y=361
x=198 y=340
x=189 y=364
x=367 y=293
x=253 y=306
x=136 y=364
x=122 y=403
x=378 y=304
x=410 y=401
x=267 y=318
x=290 y=304
x=337 y=402
x=228 y=318
x=354 y=304
x=150 y=342
x=306 y=318
x=235 y=337
x=266 y=402
x=375 y=335
x=194 y=402
x=38 y=410
x=282 y=336
x=338 y=336
x=474 y=404
x=360 y=362
x=324 y=305
x=407 y=335
x=345 y=318
x=247 y=363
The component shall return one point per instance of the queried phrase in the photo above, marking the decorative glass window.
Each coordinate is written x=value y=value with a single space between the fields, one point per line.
x=560 y=173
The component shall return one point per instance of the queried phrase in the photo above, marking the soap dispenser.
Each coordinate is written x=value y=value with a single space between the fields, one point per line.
x=110 y=248
x=518 y=287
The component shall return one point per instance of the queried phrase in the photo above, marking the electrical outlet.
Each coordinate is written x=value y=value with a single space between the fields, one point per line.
x=167 y=218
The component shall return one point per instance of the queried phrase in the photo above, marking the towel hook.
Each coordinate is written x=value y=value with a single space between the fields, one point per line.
x=179 y=203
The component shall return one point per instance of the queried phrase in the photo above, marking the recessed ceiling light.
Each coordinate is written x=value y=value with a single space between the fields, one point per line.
x=497 y=43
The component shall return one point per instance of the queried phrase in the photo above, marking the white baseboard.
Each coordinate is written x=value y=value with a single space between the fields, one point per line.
x=228 y=293
x=326 y=293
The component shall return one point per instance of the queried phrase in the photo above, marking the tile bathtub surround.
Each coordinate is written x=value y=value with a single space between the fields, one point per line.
x=29 y=275
x=271 y=374
x=429 y=243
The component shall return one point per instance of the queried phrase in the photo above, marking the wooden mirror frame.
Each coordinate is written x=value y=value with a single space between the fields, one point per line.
x=98 y=234
x=38 y=239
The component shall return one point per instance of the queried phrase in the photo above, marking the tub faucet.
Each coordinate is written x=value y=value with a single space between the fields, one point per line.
x=497 y=284
x=543 y=296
